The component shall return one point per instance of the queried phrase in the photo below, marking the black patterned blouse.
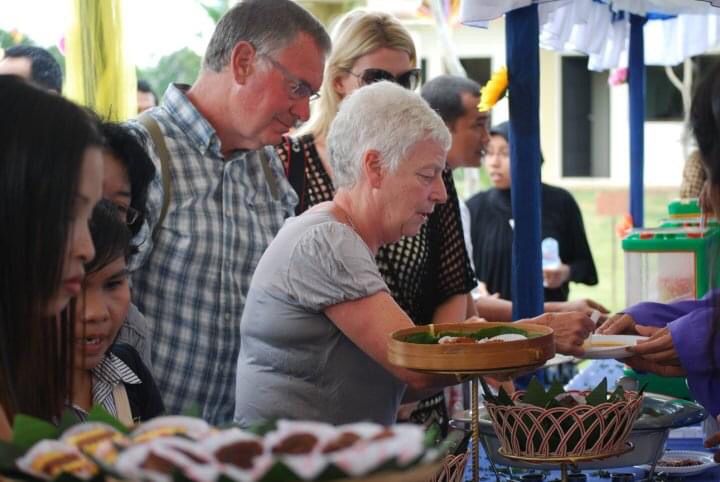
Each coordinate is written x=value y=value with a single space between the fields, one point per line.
x=421 y=271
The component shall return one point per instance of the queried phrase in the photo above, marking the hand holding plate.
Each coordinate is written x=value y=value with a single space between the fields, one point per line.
x=619 y=323
x=644 y=365
x=659 y=348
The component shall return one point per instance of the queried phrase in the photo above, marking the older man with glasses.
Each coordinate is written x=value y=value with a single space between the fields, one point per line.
x=220 y=195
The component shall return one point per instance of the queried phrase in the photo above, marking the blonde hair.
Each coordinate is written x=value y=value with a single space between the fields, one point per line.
x=358 y=33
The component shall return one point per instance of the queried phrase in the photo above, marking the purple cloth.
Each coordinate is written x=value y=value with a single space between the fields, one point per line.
x=697 y=345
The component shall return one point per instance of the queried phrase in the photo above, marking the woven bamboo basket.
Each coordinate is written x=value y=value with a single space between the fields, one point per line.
x=453 y=469
x=469 y=357
x=583 y=431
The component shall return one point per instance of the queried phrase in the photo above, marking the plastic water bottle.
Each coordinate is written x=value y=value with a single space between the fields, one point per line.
x=550 y=253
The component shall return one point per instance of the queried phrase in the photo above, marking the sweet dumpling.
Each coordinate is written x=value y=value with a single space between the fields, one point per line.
x=97 y=440
x=193 y=428
x=49 y=459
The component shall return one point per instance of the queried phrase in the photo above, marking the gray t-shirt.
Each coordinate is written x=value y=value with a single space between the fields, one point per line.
x=134 y=332
x=294 y=362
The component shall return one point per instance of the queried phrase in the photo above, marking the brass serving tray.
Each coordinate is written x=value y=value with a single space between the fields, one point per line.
x=469 y=358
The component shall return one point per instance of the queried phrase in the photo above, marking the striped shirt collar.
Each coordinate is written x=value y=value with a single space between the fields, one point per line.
x=111 y=371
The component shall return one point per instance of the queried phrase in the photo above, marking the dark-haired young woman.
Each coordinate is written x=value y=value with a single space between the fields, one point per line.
x=50 y=180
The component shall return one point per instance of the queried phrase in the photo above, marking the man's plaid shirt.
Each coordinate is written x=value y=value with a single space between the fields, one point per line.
x=192 y=283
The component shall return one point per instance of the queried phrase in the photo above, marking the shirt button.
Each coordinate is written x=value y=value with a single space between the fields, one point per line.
x=227 y=316
x=228 y=213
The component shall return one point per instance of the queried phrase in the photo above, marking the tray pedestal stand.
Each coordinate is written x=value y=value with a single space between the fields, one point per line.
x=565 y=462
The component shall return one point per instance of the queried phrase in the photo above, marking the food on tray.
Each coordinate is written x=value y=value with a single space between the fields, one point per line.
x=193 y=428
x=670 y=462
x=98 y=440
x=163 y=458
x=343 y=441
x=49 y=459
x=383 y=434
x=296 y=450
x=451 y=340
x=299 y=443
x=495 y=334
x=606 y=344
x=240 y=453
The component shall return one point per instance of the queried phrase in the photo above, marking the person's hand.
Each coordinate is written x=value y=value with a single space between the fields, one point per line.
x=643 y=365
x=659 y=348
x=481 y=289
x=554 y=278
x=713 y=441
x=656 y=354
x=619 y=323
x=585 y=305
x=571 y=329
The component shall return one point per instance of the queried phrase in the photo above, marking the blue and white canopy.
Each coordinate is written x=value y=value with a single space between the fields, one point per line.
x=613 y=33
x=600 y=29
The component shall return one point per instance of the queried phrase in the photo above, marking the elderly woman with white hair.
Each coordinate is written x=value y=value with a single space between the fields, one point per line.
x=318 y=314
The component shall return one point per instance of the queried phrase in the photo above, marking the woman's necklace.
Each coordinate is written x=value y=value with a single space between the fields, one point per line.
x=350 y=221
x=346 y=215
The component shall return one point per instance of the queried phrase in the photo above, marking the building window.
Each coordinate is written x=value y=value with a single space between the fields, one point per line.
x=585 y=120
x=663 y=101
x=478 y=69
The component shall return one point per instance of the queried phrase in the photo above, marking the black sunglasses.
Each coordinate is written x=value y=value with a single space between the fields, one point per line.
x=409 y=80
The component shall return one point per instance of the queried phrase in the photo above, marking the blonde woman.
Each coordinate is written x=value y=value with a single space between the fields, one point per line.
x=428 y=274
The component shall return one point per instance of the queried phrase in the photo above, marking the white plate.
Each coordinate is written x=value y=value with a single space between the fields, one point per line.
x=609 y=346
x=704 y=457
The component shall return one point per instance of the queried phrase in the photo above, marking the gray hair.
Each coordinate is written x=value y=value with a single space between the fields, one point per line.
x=269 y=25
x=384 y=117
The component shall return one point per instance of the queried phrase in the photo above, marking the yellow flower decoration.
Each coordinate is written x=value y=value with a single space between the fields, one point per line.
x=494 y=90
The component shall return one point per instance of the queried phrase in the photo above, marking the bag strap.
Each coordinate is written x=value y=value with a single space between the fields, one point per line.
x=269 y=177
x=122 y=404
x=161 y=150
x=296 y=171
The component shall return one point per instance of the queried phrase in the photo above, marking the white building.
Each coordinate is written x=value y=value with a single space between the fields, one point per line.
x=584 y=122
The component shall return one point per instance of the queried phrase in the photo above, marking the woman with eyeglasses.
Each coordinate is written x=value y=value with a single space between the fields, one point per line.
x=428 y=274
x=50 y=179
x=127 y=176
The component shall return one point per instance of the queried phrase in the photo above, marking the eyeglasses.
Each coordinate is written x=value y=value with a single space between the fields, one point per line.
x=128 y=213
x=299 y=89
x=409 y=80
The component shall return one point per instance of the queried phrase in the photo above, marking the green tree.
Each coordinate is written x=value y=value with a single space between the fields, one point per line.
x=181 y=66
